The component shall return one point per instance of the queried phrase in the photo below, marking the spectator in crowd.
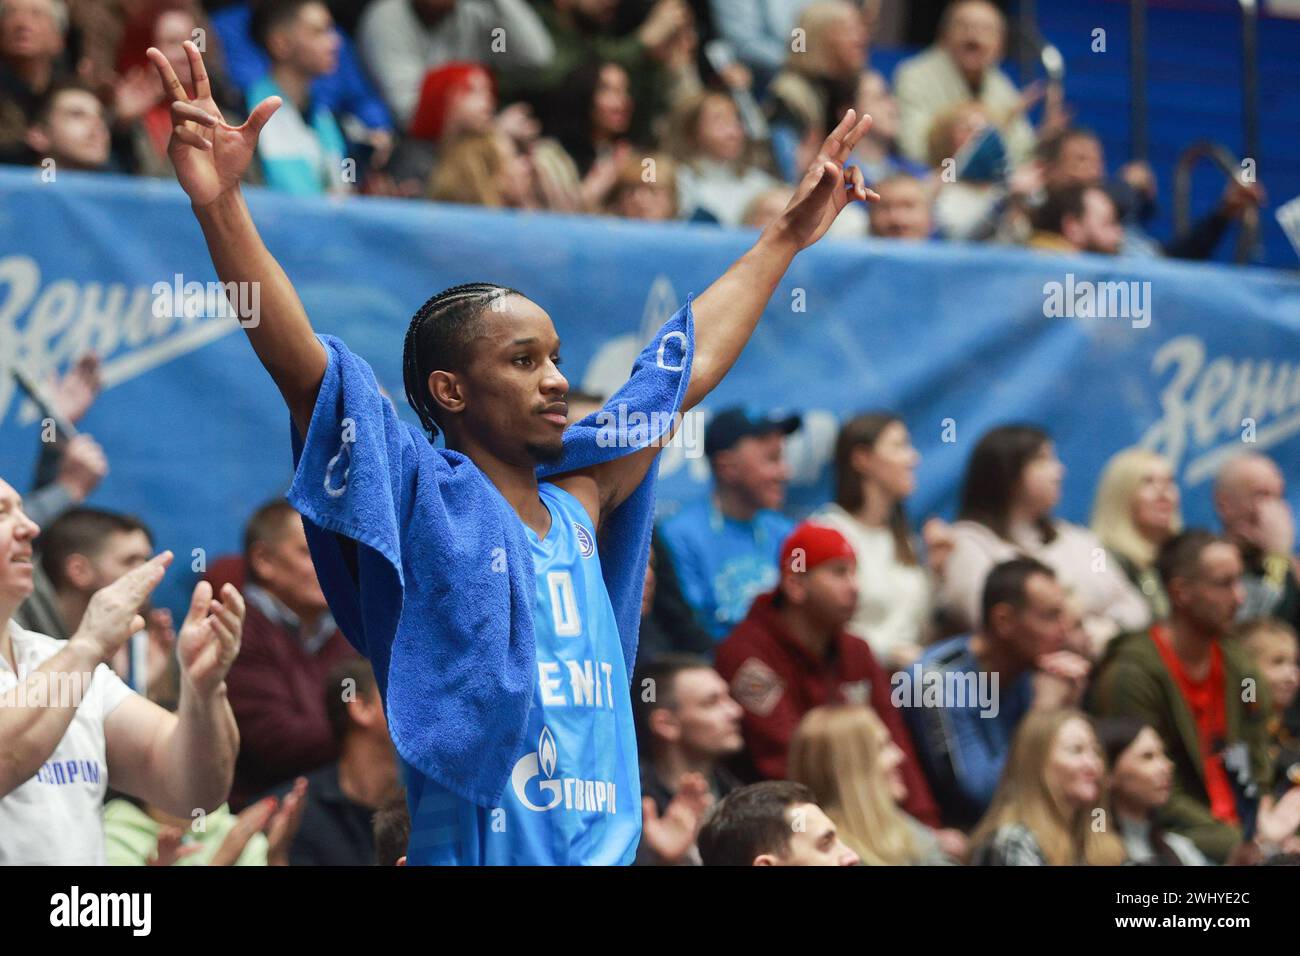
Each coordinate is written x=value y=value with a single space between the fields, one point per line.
x=401 y=40
x=877 y=152
x=725 y=548
x=302 y=152
x=775 y=823
x=960 y=66
x=687 y=724
x=1271 y=645
x=58 y=751
x=138 y=834
x=1077 y=219
x=657 y=55
x=346 y=90
x=717 y=179
x=668 y=624
x=1184 y=679
x=1045 y=807
x=341 y=798
x=760 y=31
x=845 y=755
x=484 y=169
x=819 y=81
x=791 y=654
x=1141 y=782
x=392 y=832
x=277 y=687
x=981 y=686
x=590 y=118
x=874 y=473
x=639 y=193
x=1011 y=488
x=1136 y=510
x=141 y=110
x=1074 y=157
x=67 y=469
x=1250 y=499
x=456 y=99
x=69 y=129
x=85 y=550
x=981 y=196
x=32 y=35
x=905 y=209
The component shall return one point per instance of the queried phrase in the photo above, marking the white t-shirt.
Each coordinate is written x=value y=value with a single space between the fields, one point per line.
x=894 y=599
x=54 y=818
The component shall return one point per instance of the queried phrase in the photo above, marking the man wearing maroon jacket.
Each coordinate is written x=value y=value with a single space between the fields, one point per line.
x=791 y=654
x=277 y=689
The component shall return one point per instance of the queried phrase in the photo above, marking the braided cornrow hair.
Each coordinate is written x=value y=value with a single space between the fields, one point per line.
x=438 y=338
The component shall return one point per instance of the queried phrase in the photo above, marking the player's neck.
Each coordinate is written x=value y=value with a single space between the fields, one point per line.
x=517 y=484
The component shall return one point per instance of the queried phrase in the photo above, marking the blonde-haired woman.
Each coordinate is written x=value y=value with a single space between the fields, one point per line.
x=719 y=175
x=1136 y=511
x=845 y=755
x=484 y=169
x=827 y=54
x=1044 y=811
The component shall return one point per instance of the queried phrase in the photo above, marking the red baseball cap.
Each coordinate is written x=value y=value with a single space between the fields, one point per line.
x=814 y=544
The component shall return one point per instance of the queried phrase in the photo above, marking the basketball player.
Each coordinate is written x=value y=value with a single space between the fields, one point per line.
x=515 y=729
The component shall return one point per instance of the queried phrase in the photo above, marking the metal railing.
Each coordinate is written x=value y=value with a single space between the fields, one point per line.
x=1222 y=158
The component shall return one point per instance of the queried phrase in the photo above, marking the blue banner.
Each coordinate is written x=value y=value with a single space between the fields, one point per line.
x=1199 y=362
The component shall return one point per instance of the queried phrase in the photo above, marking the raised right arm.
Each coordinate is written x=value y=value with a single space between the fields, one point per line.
x=210 y=156
x=281 y=333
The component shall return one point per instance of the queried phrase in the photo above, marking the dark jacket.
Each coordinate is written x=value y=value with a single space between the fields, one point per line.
x=777 y=680
x=334 y=830
x=277 y=691
x=1133 y=681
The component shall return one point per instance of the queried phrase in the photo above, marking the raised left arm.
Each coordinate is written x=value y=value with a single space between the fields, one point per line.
x=727 y=312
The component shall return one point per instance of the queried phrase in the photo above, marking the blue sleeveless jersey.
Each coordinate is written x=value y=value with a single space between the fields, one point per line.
x=575 y=794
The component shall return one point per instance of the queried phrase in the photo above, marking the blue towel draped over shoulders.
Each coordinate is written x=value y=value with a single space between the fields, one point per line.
x=438 y=589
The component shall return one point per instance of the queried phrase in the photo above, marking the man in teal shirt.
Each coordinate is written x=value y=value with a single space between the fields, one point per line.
x=303 y=152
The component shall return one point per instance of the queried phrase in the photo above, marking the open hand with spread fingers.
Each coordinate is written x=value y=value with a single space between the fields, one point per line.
x=827 y=187
x=210 y=636
x=209 y=154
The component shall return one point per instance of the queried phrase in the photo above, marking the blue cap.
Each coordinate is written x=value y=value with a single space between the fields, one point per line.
x=730 y=425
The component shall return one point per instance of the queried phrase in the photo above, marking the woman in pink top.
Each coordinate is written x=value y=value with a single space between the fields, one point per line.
x=1012 y=486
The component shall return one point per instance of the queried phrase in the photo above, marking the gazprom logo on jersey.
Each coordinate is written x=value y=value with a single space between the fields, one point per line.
x=586 y=545
x=536 y=772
